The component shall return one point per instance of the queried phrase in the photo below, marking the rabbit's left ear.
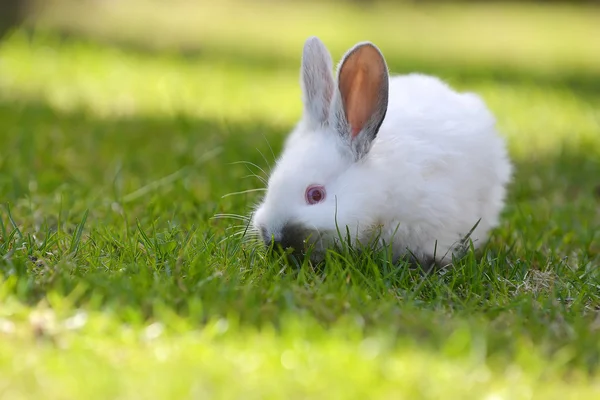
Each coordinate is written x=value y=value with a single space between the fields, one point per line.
x=361 y=98
x=316 y=79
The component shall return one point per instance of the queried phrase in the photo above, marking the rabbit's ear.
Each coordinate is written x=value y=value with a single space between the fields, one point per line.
x=361 y=98
x=316 y=79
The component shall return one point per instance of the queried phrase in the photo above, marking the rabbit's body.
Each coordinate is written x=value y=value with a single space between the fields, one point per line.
x=442 y=180
x=406 y=159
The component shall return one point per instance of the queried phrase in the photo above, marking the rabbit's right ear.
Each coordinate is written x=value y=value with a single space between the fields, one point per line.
x=361 y=99
x=316 y=80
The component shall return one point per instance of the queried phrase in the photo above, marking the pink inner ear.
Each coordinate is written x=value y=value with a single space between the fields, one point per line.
x=356 y=119
x=360 y=81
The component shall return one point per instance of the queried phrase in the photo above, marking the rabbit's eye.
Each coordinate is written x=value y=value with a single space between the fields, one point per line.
x=315 y=194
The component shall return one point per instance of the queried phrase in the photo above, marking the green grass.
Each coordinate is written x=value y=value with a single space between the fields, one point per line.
x=119 y=137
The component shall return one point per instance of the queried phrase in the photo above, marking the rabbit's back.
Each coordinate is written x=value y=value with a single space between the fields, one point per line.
x=445 y=164
x=428 y=107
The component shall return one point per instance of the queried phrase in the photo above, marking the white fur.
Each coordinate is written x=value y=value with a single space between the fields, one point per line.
x=436 y=167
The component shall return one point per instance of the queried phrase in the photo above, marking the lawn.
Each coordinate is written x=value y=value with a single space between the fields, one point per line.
x=126 y=128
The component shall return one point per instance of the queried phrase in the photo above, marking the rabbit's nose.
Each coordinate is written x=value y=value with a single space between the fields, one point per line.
x=265 y=235
x=291 y=237
x=271 y=239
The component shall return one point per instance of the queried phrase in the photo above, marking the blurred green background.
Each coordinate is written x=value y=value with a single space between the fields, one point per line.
x=124 y=125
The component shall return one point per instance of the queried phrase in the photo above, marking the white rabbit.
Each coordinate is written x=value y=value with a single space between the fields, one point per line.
x=404 y=158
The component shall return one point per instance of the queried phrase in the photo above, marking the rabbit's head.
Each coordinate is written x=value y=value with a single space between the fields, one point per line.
x=320 y=187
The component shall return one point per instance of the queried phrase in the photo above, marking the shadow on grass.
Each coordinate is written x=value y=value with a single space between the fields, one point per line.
x=45 y=152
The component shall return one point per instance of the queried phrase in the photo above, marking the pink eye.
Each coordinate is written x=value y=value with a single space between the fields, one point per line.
x=315 y=194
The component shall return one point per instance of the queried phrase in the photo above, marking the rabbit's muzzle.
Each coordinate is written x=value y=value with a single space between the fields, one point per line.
x=292 y=237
